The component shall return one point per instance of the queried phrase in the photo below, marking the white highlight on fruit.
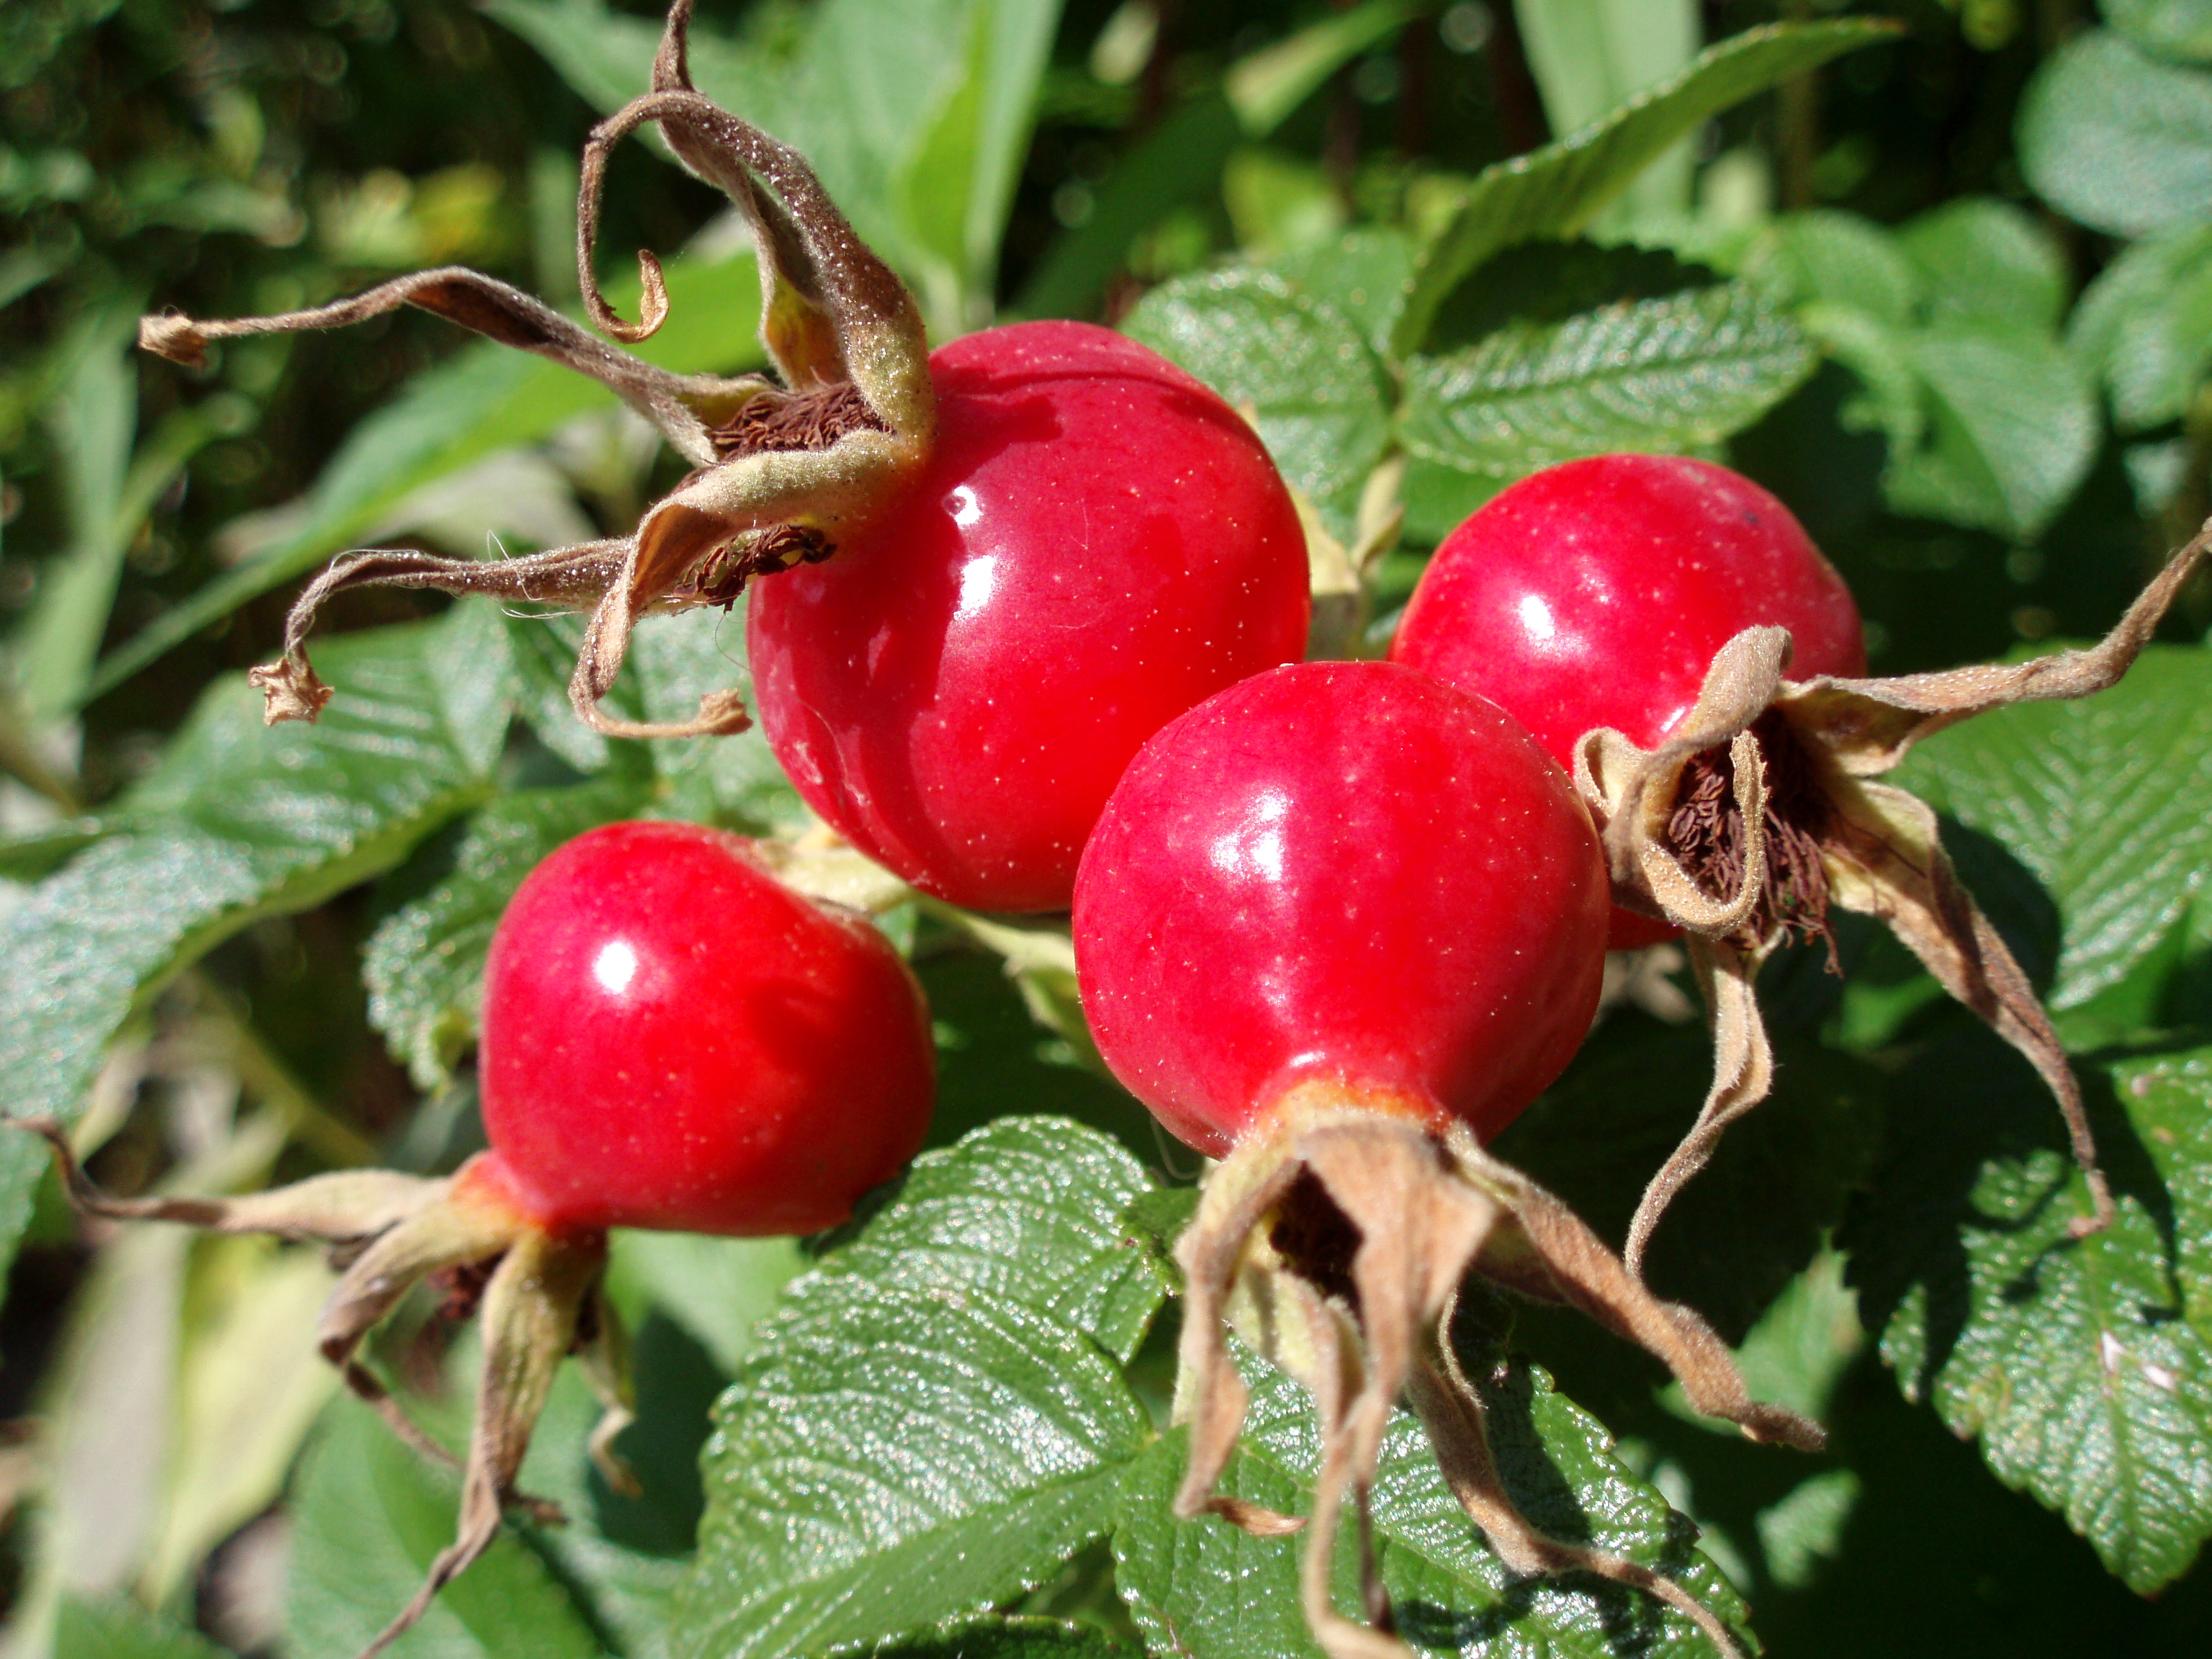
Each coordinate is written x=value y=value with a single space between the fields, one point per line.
x=614 y=966
x=1255 y=847
x=1536 y=619
x=979 y=578
x=966 y=509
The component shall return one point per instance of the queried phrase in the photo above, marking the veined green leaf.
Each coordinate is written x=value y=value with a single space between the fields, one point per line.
x=2107 y=802
x=2084 y=1367
x=930 y=1423
x=1557 y=190
x=1005 y=1638
x=237 y=821
x=1665 y=374
x=1204 y=1590
x=1315 y=390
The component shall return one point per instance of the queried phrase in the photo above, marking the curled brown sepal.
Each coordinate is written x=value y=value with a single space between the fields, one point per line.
x=1334 y=1243
x=784 y=471
x=1828 y=836
x=389 y=1232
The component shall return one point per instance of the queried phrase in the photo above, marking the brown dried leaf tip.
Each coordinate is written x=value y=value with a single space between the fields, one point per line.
x=540 y=1299
x=782 y=470
x=1761 y=813
x=1334 y=1244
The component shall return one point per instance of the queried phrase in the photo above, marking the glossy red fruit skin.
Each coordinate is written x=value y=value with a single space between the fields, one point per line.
x=1346 y=873
x=1099 y=543
x=672 y=1039
x=1596 y=593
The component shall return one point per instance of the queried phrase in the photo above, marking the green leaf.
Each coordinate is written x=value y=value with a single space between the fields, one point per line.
x=1010 y=1430
x=2012 y=430
x=1558 y=190
x=963 y=1322
x=1741 y=1230
x=1983 y=261
x=1315 y=390
x=2172 y=28
x=2105 y=802
x=424 y=964
x=1667 y=374
x=2115 y=139
x=2145 y=326
x=1837 y=258
x=237 y=821
x=1207 y=1591
x=1026 y=1210
x=1005 y=1639
x=1361 y=275
x=369 y=1517
x=2084 y=1367
x=1590 y=56
x=717 y=1289
x=484 y=399
x=119 y=1628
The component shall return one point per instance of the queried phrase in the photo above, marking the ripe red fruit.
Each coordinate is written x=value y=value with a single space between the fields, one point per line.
x=1347 y=873
x=1099 y=542
x=1338 y=924
x=673 y=1039
x=1596 y=593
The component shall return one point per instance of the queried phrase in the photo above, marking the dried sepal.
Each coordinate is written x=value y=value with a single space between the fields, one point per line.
x=542 y=1299
x=1827 y=836
x=783 y=472
x=1334 y=1243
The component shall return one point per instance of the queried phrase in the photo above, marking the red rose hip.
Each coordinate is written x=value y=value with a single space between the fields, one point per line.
x=1346 y=873
x=1098 y=544
x=673 y=1039
x=1338 y=924
x=1596 y=593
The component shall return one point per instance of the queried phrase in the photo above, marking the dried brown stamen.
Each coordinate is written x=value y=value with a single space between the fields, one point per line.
x=798 y=422
x=1705 y=831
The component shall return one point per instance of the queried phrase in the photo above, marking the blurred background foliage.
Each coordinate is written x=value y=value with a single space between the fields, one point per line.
x=1949 y=293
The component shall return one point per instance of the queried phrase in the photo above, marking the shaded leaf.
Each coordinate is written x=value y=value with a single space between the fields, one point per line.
x=2172 y=28
x=2012 y=430
x=718 y=1289
x=2084 y=1367
x=1666 y=374
x=1983 y=260
x=1742 y=1230
x=1005 y=1638
x=369 y=1517
x=1836 y=257
x=1558 y=190
x=2115 y=138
